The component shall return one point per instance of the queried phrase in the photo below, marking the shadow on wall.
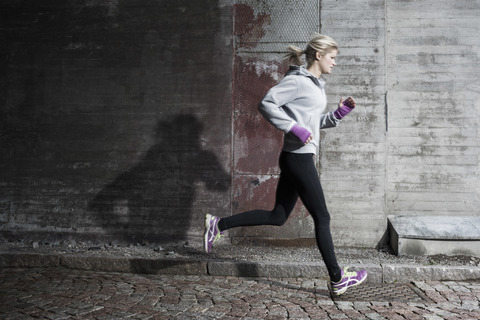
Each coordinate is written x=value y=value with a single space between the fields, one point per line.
x=153 y=200
x=81 y=83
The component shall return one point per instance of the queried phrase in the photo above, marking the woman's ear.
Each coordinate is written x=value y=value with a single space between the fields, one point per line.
x=318 y=56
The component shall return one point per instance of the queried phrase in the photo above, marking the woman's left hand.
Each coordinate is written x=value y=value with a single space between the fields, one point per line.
x=350 y=103
x=344 y=108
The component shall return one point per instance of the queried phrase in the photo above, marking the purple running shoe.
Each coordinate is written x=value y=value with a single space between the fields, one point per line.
x=349 y=279
x=212 y=233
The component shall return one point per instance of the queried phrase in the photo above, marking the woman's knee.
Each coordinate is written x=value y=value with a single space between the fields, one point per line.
x=279 y=216
x=279 y=220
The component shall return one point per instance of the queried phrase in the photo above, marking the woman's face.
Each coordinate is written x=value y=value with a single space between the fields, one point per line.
x=327 y=62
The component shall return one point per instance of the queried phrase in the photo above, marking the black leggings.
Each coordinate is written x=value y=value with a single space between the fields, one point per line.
x=298 y=177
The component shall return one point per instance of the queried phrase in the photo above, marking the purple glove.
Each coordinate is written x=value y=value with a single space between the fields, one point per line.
x=302 y=133
x=345 y=108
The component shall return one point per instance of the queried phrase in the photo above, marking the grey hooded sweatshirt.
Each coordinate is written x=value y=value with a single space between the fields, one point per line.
x=299 y=98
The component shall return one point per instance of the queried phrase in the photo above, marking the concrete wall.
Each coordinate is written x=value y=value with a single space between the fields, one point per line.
x=433 y=88
x=115 y=117
x=118 y=119
x=411 y=146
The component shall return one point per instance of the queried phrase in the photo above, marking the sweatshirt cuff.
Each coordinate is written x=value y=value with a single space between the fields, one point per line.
x=335 y=117
x=290 y=126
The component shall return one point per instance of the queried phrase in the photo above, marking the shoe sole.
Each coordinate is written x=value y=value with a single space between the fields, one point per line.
x=205 y=236
x=339 y=293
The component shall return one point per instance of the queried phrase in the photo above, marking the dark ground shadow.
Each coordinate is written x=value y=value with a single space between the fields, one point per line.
x=153 y=200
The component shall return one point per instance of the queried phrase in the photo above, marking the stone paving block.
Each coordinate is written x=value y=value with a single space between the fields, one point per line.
x=361 y=305
x=374 y=316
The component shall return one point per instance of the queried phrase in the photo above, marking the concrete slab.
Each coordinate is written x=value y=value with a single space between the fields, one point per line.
x=429 y=235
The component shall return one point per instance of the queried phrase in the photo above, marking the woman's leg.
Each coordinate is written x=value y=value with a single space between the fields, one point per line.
x=303 y=173
x=285 y=200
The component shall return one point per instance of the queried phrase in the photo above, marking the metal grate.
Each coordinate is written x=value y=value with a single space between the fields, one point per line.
x=384 y=292
x=270 y=25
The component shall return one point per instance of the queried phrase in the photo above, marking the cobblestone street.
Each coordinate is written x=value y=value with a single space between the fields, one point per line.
x=71 y=294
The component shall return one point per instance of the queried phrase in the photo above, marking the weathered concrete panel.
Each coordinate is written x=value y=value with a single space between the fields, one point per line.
x=433 y=92
x=352 y=155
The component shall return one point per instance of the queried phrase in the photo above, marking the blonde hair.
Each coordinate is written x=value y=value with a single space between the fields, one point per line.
x=321 y=43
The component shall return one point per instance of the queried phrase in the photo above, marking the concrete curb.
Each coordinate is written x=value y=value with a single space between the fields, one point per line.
x=106 y=264
x=400 y=273
x=378 y=273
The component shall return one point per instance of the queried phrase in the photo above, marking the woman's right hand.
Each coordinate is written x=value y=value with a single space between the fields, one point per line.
x=303 y=134
x=309 y=139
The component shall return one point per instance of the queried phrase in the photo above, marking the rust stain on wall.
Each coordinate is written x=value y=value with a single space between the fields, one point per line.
x=256 y=142
x=258 y=66
x=248 y=26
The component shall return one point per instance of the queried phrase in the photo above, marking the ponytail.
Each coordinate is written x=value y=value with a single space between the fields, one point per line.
x=293 y=55
x=319 y=43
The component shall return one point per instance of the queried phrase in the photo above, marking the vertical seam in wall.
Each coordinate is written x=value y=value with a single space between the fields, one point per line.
x=319 y=16
x=385 y=57
x=232 y=112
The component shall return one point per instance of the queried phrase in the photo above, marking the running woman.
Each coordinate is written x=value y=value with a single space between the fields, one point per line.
x=296 y=106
